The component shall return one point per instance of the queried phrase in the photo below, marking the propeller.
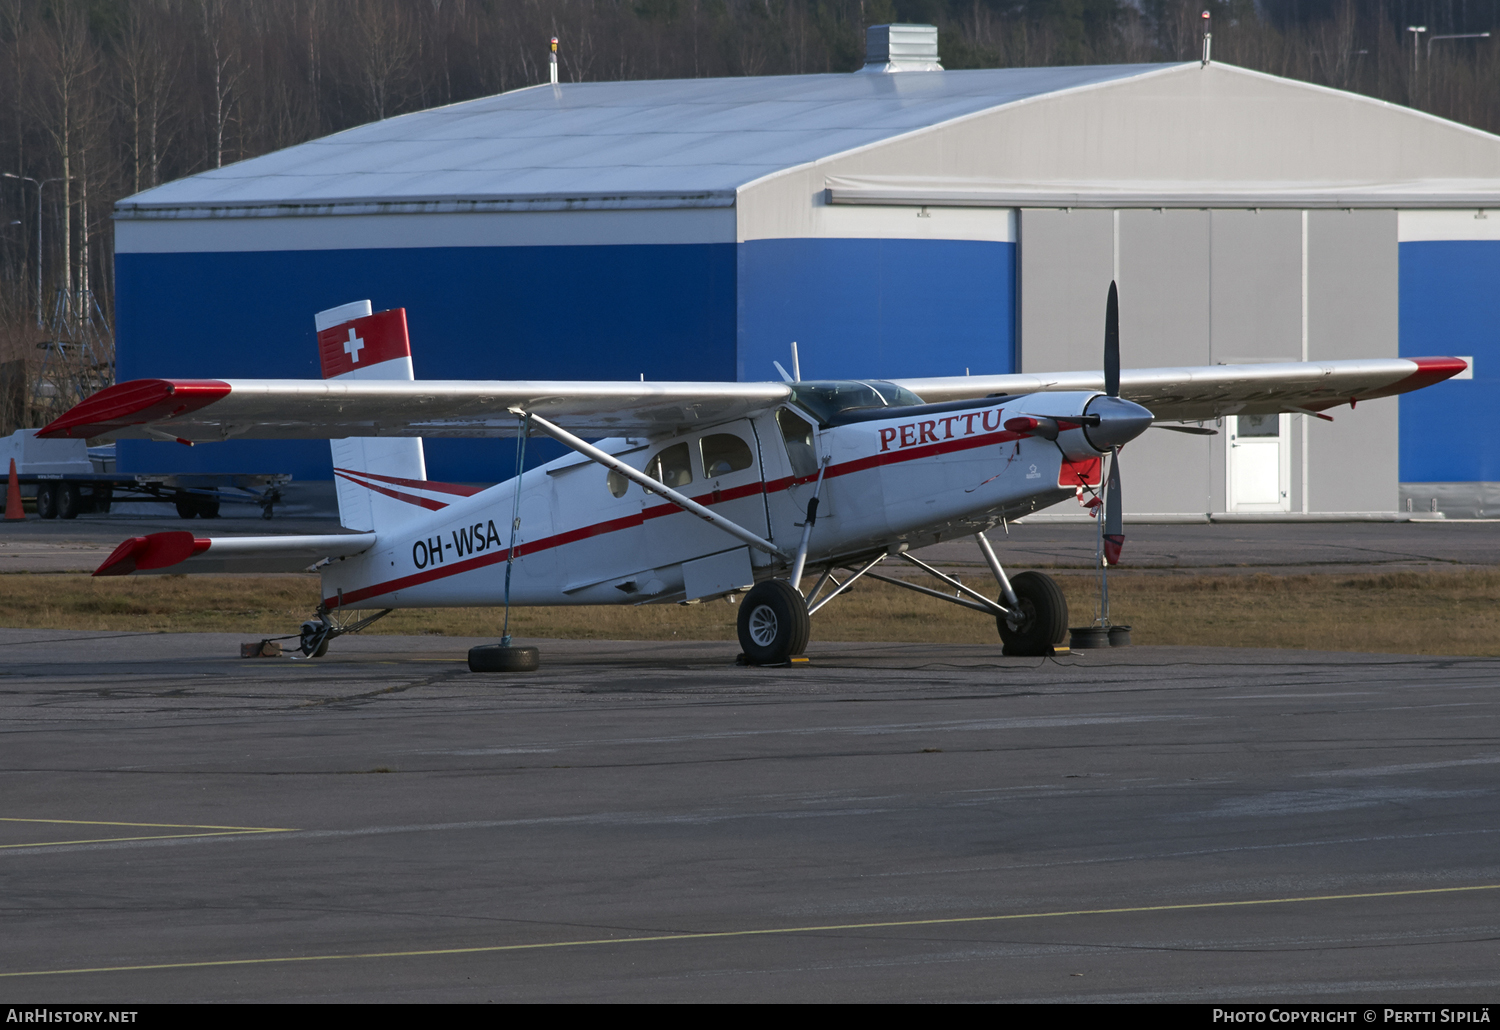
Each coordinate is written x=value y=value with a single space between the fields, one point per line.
x=1191 y=430
x=1114 y=520
x=1112 y=343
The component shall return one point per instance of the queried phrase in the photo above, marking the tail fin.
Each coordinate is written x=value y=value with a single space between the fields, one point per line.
x=370 y=472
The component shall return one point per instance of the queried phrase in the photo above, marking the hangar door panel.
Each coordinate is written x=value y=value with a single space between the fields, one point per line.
x=1067 y=260
x=1353 y=282
x=1165 y=268
x=1165 y=264
x=1256 y=304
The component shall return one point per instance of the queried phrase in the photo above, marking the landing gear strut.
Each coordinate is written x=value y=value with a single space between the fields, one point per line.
x=1032 y=613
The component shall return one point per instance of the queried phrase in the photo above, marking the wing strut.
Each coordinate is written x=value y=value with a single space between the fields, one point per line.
x=636 y=475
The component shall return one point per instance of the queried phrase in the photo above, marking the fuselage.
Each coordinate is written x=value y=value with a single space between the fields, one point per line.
x=909 y=474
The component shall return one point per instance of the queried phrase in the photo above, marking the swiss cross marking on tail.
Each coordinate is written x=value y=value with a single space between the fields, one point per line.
x=362 y=343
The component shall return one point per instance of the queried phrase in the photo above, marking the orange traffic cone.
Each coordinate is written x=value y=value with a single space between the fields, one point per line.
x=13 y=509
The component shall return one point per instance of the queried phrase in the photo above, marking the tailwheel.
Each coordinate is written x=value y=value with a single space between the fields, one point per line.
x=1043 y=620
x=313 y=642
x=316 y=633
x=773 y=623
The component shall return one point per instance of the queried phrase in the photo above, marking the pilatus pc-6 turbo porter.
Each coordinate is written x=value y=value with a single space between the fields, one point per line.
x=697 y=491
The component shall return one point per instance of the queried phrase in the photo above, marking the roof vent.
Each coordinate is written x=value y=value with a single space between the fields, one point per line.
x=901 y=48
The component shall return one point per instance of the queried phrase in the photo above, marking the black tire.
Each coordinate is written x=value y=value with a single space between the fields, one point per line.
x=69 y=500
x=1044 y=622
x=314 y=641
x=208 y=507
x=187 y=506
x=46 y=501
x=773 y=623
x=500 y=658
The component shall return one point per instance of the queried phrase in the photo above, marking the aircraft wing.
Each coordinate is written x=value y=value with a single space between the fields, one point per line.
x=1210 y=391
x=202 y=410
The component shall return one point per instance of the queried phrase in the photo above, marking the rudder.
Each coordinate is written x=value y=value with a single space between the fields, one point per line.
x=369 y=472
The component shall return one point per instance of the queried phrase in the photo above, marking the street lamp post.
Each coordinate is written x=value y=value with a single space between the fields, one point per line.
x=1457 y=35
x=1416 y=35
x=39 y=185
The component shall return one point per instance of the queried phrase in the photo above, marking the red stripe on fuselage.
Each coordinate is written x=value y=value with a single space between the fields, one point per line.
x=668 y=508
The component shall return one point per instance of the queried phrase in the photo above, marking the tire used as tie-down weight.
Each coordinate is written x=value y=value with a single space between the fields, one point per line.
x=1044 y=621
x=773 y=623
x=501 y=658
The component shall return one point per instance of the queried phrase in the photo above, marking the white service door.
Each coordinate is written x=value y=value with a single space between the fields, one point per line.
x=1260 y=463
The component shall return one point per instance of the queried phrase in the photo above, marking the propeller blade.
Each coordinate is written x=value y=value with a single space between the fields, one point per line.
x=1114 y=516
x=1193 y=430
x=1112 y=343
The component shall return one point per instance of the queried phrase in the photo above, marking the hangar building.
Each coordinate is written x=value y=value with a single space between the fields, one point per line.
x=909 y=224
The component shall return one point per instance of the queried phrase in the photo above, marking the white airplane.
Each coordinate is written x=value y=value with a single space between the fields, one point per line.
x=699 y=490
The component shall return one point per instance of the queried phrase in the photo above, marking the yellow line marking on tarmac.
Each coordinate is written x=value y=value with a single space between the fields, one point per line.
x=210 y=831
x=162 y=826
x=751 y=933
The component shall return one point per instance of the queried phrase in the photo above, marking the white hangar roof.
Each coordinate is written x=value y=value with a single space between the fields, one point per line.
x=678 y=139
x=1105 y=135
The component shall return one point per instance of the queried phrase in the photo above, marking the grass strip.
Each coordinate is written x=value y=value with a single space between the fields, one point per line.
x=1407 y=612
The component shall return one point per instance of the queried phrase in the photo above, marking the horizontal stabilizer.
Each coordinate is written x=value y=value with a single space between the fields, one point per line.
x=181 y=552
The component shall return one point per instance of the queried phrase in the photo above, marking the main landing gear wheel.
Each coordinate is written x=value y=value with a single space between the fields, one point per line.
x=773 y=623
x=1044 y=616
x=500 y=658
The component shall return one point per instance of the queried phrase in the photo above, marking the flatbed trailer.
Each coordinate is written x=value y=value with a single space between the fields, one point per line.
x=66 y=495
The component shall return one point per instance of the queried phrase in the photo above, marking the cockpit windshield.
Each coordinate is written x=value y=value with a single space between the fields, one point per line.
x=827 y=398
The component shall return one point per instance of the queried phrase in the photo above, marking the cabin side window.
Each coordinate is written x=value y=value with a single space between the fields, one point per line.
x=671 y=466
x=798 y=435
x=618 y=484
x=724 y=453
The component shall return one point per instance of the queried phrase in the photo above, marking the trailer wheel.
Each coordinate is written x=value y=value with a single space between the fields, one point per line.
x=69 y=500
x=208 y=507
x=46 y=500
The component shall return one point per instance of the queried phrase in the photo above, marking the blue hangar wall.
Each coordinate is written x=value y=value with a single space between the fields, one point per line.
x=1450 y=305
x=859 y=308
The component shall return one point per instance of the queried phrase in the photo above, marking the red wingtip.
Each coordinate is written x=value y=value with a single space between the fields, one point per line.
x=135 y=403
x=1429 y=371
x=157 y=551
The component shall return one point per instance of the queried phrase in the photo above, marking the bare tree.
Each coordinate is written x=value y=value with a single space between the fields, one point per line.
x=383 y=51
x=223 y=71
x=147 y=76
x=69 y=66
